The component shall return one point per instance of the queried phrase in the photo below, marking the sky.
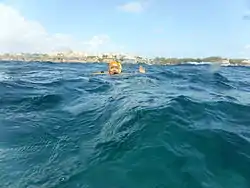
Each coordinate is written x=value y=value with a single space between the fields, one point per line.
x=162 y=28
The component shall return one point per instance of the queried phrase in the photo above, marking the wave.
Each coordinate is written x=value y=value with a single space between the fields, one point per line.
x=176 y=126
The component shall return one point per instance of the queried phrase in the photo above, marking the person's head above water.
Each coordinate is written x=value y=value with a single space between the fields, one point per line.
x=115 y=67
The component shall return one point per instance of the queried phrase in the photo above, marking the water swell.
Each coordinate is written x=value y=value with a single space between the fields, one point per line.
x=124 y=140
x=178 y=126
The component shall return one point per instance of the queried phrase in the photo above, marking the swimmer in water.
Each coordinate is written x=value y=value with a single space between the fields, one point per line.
x=115 y=67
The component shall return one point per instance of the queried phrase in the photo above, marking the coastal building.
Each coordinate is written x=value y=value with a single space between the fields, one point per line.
x=246 y=61
x=74 y=56
x=225 y=61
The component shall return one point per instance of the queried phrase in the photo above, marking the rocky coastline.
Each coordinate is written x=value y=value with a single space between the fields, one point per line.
x=83 y=58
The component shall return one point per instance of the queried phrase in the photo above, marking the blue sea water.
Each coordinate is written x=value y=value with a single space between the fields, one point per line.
x=181 y=126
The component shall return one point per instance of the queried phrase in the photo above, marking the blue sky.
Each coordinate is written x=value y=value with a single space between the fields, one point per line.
x=175 y=28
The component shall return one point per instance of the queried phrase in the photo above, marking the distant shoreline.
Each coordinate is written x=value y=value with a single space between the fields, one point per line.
x=167 y=64
x=73 y=58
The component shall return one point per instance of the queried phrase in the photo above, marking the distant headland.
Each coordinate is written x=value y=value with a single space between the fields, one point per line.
x=81 y=57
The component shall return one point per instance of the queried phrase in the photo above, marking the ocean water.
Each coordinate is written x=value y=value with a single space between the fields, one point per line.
x=182 y=126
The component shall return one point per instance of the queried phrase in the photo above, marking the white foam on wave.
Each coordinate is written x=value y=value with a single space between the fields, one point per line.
x=216 y=64
x=199 y=63
x=4 y=76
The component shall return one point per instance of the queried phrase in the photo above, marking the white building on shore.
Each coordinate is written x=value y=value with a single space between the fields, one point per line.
x=247 y=61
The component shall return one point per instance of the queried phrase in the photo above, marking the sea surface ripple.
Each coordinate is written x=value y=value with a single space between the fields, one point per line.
x=181 y=126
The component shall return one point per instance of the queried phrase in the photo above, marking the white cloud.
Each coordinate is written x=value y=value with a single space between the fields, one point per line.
x=247 y=46
x=134 y=6
x=98 y=40
x=18 y=34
